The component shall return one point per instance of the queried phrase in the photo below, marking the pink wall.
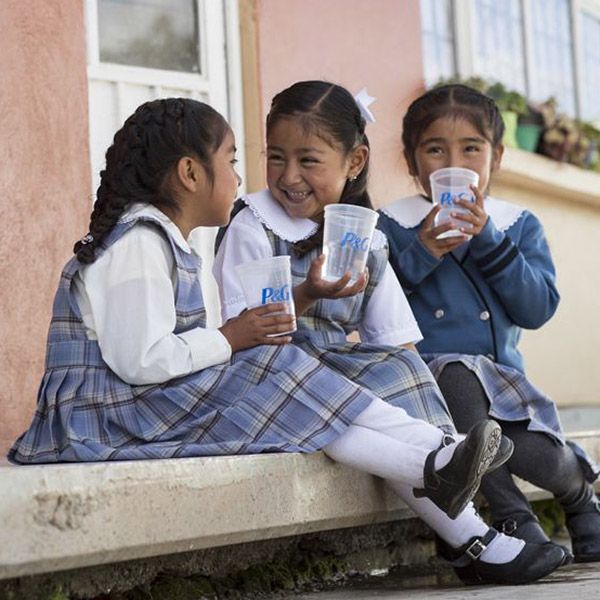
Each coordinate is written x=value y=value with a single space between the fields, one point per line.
x=376 y=44
x=44 y=184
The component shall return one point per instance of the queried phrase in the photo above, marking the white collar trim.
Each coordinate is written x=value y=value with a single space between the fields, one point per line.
x=141 y=209
x=273 y=216
x=410 y=212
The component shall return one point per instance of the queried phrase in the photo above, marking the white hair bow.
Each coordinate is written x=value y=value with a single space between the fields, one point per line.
x=364 y=101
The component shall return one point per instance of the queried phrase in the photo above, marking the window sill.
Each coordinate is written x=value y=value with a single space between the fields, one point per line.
x=542 y=175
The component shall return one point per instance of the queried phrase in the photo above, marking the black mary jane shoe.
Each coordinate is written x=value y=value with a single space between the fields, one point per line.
x=526 y=527
x=454 y=485
x=584 y=529
x=532 y=563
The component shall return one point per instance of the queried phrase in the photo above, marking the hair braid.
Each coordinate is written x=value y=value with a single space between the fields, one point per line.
x=143 y=151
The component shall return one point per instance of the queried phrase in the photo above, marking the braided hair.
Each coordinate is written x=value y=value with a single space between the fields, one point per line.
x=142 y=154
x=330 y=111
x=455 y=101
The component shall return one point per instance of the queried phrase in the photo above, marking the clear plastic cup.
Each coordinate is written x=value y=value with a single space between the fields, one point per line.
x=268 y=281
x=447 y=186
x=347 y=237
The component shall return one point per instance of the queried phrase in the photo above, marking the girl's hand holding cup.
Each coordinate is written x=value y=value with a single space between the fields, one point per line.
x=431 y=235
x=260 y=325
x=314 y=287
x=476 y=217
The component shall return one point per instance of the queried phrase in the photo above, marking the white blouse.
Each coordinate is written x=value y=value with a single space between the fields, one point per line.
x=388 y=318
x=127 y=302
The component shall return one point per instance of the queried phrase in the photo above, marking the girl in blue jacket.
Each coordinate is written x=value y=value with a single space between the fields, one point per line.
x=471 y=293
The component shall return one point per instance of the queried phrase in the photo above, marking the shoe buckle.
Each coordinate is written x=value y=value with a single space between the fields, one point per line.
x=509 y=526
x=475 y=550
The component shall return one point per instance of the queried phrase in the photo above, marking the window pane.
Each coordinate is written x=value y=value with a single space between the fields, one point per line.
x=590 y=41
x=438 y=40
x=498 y=36
x=552 y=72
x=158 y=34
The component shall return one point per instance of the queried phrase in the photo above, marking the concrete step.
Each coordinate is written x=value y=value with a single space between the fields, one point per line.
x=57 y=517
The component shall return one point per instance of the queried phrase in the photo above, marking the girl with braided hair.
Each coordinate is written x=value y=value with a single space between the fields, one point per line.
x=317 y=155
x=472 y=293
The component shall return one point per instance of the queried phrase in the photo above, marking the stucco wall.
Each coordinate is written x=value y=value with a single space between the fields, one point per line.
x=44 y=184
x=561 y=356
x=375 y=44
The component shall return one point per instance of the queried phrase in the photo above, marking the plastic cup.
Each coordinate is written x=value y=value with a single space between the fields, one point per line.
x=447 y=186
x=347 y=235
x=268 y=281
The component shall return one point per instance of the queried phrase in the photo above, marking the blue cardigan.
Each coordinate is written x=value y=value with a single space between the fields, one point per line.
x=477 y=303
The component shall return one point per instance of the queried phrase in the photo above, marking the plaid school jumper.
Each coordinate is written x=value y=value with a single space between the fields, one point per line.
x=266 y=399
x=396 y=375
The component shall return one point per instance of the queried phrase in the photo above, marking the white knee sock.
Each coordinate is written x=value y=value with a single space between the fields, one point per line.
x=398 y=424
x=373 y=452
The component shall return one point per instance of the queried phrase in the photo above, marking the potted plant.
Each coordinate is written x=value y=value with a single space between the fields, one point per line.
x=511 y=104
x=592 y=155
x=560 y=136
x=529 y=128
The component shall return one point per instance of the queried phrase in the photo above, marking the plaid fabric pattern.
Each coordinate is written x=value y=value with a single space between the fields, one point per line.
x=513 y=398
x=396 y=375
x=267 y=399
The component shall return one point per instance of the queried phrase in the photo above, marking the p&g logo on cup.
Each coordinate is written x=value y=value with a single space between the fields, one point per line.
x=270 y=294
x=354 y=241
x=448 y=199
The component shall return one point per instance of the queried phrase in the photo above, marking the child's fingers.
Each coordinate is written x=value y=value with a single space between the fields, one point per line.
x=316 y=266
x=277 y=341
x=277 y=323
x=358 y=286
x=478 y=196
x=437 y=231
x=430 y=218
x=267 y=309
x=341 y=283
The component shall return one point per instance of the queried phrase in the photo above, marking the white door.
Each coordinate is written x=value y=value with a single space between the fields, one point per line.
x=139 y=50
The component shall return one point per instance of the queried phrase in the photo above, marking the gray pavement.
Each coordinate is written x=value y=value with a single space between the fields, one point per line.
x=573 y=582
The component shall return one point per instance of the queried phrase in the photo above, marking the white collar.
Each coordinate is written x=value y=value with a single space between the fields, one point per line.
x=141 y=209
x=273 y=216
x=409 y=212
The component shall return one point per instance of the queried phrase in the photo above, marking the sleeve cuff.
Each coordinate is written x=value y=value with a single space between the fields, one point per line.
x=208 y=347
x=409 y=335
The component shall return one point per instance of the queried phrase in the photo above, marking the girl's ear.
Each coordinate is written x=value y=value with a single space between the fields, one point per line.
x=412 y=167
x=189 y=173
x=497 y=154
x=358 y=158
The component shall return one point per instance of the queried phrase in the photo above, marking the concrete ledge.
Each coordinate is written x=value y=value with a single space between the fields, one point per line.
x=58 y=517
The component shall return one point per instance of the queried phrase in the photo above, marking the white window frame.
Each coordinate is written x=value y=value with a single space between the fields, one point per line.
x=464 y=27
x=223 y=86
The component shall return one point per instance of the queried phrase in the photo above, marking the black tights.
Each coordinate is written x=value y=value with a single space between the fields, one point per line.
x=537 y=458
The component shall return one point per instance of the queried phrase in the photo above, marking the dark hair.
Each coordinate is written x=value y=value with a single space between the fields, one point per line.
x=141 y=156
x=455 y=101
x=330 y=111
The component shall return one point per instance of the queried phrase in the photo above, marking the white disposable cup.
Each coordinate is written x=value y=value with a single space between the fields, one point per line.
x=447 y=186
x=268 y=281
x=347 y=235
